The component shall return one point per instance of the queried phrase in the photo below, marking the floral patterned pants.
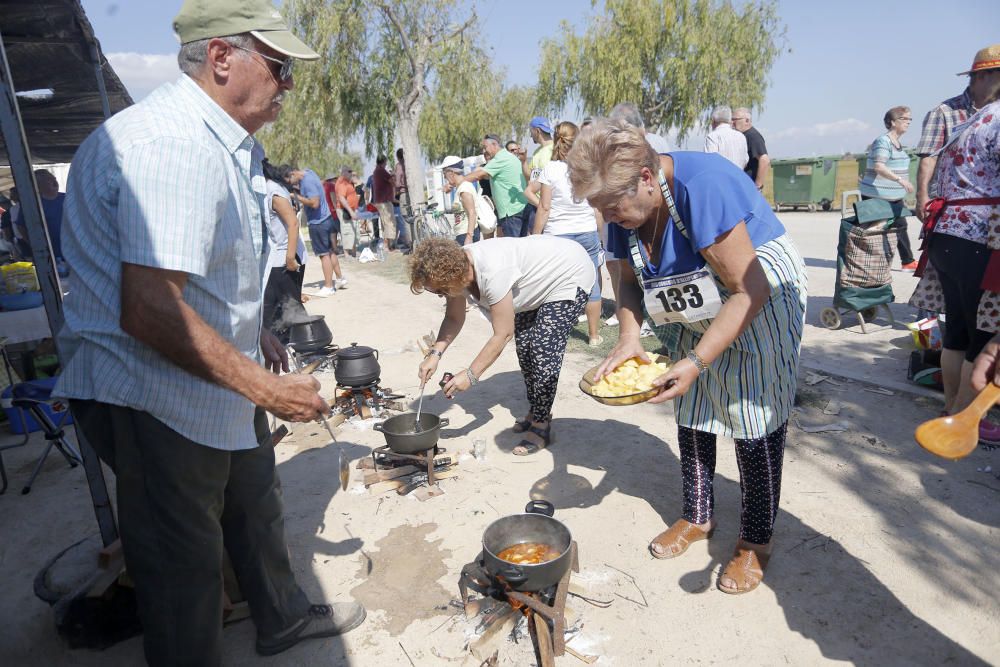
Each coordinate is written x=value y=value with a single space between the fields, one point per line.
x=759 y=461
x=540 y=338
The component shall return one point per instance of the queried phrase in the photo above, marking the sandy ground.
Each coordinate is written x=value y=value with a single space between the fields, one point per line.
x=884 y=555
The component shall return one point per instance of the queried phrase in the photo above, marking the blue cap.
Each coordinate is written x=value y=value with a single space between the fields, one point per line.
x=542 y=123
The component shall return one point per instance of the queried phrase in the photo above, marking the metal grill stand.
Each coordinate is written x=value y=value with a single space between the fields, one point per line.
x=383 y=457
x=549 y=642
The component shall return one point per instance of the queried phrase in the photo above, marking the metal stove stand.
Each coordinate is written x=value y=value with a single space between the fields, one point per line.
x=541 y=608
x=383 y=457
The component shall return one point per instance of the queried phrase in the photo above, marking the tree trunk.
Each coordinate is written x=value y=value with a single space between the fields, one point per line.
x=409 y=120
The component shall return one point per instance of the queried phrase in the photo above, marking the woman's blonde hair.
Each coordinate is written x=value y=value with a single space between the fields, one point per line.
x=606 y=161
x=440 y=264
x=563 y=140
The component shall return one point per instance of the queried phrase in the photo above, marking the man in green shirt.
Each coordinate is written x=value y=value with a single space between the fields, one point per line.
x=507 y=183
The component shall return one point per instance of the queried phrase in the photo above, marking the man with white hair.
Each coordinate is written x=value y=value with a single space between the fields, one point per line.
x=724 y=140
x=760 y=162
x=167 y=369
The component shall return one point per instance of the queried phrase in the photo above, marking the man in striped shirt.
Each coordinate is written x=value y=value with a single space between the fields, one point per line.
x=942 y=120
x=163 y=343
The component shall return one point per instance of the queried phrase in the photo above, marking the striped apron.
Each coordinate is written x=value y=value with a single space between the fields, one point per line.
x=749 y=390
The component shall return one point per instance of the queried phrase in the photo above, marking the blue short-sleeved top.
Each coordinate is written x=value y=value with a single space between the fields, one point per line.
x=311 y=187
x=713 y=195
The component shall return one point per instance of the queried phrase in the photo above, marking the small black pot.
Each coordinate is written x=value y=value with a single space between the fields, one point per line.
x=310 y=334
x=404 y=437
x=535 y=525
x=357 y=366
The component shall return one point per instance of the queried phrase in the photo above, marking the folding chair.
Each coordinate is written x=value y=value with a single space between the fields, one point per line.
x=29 y=398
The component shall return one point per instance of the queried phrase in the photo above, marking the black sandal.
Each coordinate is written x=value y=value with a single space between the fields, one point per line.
x=521 y=426
x=531 y=447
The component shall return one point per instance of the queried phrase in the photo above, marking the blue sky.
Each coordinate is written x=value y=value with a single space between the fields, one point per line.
x=846 y=62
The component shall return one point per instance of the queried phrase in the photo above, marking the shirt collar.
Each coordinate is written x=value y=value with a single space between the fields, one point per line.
x=231 y=134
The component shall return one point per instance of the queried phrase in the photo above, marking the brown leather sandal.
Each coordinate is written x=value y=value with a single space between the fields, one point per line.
x=746 y=568
x=676 y=539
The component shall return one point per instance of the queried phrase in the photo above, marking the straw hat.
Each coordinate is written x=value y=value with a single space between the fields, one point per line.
x=988 y=58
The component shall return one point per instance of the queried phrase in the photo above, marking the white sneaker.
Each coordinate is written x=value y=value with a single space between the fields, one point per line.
x=325 y=291
x=645 y=331
x=340 y=283
x=612 y=321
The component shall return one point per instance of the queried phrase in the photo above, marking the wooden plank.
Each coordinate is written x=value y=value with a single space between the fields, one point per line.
x=392 y=485
x=386 y=475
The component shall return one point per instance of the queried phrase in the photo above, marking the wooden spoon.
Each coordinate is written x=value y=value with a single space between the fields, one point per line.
x=345 y=470
x=955 y=437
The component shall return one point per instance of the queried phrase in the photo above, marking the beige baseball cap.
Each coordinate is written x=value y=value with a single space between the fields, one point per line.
x=204 y=19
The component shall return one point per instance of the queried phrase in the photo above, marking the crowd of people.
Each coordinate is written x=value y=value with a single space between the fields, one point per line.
x=170 y=375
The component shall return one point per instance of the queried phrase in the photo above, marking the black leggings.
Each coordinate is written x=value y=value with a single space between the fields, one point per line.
x=960 y=265
x=540 y=338
x=759 y=461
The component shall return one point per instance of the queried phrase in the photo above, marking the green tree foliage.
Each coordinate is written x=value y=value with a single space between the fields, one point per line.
x=469 y=101
x=675 y=58
x=310 y=131
x=388 y=68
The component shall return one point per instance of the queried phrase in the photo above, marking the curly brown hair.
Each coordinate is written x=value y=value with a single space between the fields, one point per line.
x=440 y=265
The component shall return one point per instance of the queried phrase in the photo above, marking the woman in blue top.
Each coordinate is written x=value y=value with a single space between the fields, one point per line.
x=887 y=173
x=725 y=290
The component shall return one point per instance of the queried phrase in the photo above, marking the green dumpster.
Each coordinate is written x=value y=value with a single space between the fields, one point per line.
x=806 y=182
x=910 y=199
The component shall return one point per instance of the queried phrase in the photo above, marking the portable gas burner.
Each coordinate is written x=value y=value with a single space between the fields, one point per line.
x=541 y=607
x=326 y=354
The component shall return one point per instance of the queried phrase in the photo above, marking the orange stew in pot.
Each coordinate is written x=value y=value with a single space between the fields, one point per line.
x=529 y=553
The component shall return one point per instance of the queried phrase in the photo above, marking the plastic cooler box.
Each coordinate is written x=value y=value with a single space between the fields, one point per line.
x=15 y=416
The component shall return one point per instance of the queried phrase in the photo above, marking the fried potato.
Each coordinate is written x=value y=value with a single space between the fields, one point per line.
x=632 y=377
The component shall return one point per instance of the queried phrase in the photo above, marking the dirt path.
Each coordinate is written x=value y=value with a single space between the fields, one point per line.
x=883 y=554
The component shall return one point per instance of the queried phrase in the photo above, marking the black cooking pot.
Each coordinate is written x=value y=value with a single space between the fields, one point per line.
x=357 y=366
x=535 y=525
x=404 y=436
x=309 y=334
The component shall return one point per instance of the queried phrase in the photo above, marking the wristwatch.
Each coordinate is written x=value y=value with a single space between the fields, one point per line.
x=436 y=352
x=698 y=362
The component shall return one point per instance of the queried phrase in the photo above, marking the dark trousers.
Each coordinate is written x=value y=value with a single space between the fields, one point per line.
x=902 y=238
x=283 y=297
x=180 y=504
x=516 y=225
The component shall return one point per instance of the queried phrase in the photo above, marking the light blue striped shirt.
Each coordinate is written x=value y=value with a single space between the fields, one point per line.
x=172 y=182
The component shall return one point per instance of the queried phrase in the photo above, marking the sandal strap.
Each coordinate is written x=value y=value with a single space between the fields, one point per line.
x=746 y=568
x=541 y=433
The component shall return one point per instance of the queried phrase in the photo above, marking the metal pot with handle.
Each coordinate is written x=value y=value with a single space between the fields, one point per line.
x=357 y=366
x=405 y=436
x=310 y=334
x=535 y=525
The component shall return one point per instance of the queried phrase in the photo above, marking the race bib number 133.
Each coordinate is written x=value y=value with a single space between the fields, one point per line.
x=685 y=297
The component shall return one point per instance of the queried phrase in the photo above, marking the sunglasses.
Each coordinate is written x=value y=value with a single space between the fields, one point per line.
x=285 y=72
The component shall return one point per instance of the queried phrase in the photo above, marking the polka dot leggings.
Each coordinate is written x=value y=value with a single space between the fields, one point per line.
x=759 y=461
x=540 y=338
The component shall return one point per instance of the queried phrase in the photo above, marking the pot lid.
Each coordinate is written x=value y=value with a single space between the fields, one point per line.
x=355 y=351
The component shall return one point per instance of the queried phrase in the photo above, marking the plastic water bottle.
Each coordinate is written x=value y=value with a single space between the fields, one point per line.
x=380 y=252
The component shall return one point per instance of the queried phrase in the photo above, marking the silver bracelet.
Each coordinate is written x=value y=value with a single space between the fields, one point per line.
x=698 y=362
x=472 y=376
